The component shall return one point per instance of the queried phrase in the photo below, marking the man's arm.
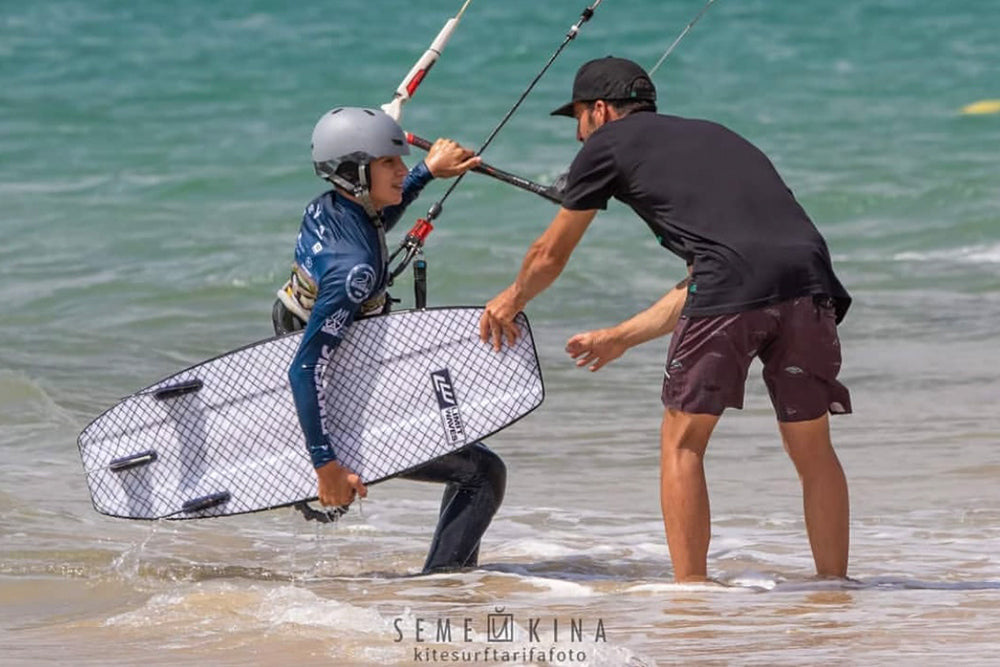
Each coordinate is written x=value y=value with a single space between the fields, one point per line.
x=602 y=346
x=545 y=260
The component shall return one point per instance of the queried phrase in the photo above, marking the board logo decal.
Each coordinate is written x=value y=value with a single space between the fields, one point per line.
x=451 y=415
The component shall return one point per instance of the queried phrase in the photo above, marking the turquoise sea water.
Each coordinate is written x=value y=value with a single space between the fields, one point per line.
x=154 y=160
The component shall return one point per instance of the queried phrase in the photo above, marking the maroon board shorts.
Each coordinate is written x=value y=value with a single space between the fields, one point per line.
x=797 y=340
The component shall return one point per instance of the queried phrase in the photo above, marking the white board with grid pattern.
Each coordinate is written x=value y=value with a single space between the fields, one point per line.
x=223 y=437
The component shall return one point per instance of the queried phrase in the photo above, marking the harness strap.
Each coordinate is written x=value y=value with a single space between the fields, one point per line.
x=298 y=294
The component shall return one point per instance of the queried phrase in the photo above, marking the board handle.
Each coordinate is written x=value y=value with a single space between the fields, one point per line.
x=205 y=502
x=179 y=389
x=132 y=461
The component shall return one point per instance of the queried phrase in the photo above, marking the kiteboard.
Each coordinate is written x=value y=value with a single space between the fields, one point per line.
x=223 y=437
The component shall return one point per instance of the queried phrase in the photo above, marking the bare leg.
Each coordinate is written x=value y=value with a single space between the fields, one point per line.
x=824 y=492
x=684 y=493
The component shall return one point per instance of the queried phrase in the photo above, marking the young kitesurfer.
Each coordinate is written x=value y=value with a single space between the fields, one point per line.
x=339 y=275
x=761 y=284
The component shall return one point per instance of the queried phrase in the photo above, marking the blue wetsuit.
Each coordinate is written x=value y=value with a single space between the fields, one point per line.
x=342 y=253
x=340 y=250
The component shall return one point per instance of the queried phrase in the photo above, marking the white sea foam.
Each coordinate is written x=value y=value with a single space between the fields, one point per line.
x=300 y=606
x=974 y=254
x=656 y=588
x=535 y=549
x=560 y=587
x=248 y=608
x=53 y=186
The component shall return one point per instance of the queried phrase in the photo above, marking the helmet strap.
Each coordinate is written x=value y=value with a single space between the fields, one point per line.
x=364 y=194
x=360 y=190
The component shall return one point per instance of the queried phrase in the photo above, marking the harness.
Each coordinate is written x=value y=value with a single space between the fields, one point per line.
x=298 y=296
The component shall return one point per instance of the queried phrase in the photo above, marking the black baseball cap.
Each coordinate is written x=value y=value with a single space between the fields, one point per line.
x=609 y=78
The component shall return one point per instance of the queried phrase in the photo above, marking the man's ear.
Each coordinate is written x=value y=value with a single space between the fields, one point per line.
x=610 y=113
x=604 y=111
x=601 y=110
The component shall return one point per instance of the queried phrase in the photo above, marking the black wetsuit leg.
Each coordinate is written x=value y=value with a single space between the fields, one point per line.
x=475 y=480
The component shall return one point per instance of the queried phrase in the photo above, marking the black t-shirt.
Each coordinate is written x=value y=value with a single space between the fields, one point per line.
x=715 y=200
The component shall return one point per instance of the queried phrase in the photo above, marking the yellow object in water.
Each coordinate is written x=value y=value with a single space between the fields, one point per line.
x=982 y=107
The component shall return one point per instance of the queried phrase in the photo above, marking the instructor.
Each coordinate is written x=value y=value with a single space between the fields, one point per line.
x=760 y=283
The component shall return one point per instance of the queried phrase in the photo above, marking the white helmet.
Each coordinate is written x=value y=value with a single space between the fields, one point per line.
x=353 y=137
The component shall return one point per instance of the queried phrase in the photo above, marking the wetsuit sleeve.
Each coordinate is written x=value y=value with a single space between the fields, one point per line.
x=345 y=283
x=593 y=176
x=415 y=181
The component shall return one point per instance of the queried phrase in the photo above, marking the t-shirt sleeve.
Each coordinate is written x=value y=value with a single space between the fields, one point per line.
x=592 y=176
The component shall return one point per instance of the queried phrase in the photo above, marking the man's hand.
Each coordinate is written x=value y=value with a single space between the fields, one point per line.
x=601 y=347
x=447 y=158
x=497 y=320
x=338 y=485
x=541 y=266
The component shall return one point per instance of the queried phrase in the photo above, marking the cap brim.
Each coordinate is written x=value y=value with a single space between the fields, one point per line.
x=564 y=110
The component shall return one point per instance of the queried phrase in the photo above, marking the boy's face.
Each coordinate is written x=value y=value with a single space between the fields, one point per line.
x=388 y=174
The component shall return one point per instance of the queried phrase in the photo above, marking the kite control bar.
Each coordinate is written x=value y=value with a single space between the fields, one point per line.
x=550 y=192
